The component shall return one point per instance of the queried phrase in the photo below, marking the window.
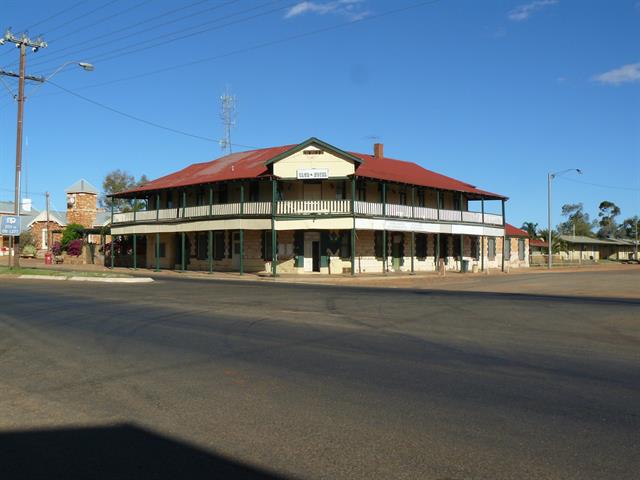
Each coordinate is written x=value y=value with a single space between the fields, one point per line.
x=456 y=245
x=377 y=244
x=169 y=200
x=403 y=197
x=267 y=245
x=420 y=198
x=475 y=248
x=201 y=197
x=362 y=191
x=507 y=249
x=456 y=202
x=313 y=152
x=521 y=249
x=340 y=191
x=421 y=245
x=218 y=245
x=223 y=193
x=491 y=248
x=163 y=250
x=202 y=246
x=441 y=200
x=254 y=192
x=345 y=244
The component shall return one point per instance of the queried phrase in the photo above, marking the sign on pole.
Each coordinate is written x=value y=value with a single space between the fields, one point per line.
x=10 y=225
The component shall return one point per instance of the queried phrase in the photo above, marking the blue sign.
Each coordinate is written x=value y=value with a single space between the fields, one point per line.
x=10 y=225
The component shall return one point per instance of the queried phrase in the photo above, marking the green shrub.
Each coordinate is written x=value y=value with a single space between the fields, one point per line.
x=29 y=250
x=73 y=231
x=27 y=238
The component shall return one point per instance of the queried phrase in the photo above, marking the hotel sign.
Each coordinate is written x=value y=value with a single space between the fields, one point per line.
x=312 y=173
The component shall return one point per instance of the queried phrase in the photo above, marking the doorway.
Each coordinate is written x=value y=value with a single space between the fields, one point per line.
x=235 y=250
x=311 y=251
x=315 y=249
x=396 y=251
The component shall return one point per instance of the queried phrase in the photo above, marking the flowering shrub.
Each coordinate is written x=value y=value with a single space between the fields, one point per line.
x=71 y=232
x=74 y=248
x=56 y=248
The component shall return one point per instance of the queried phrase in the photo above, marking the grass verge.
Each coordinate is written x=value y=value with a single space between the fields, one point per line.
x=58 y=273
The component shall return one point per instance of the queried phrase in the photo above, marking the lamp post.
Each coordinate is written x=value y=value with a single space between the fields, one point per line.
x=550 y=177
x=23 y=42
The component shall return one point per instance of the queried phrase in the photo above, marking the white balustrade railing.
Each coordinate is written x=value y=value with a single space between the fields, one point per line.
x=475 y=217
x=197 y=211
x=368 y=208
x=123 y=217
x=226 y=209
x=450 y=215
x=310 y=207
x=305 y=207
x=257 y=208
x=402 y=211
x=493 y=219
x=145 y=215
x=168 y=213
x=425 y=213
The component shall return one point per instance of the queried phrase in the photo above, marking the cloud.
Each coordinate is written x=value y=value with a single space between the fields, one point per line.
x=352 y=9
x=625 y=74
x=523 y=12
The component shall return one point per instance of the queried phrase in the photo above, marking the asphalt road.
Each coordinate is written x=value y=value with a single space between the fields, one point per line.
x=209 y=379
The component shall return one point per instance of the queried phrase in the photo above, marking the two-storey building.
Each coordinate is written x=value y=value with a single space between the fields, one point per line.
x=313 y=207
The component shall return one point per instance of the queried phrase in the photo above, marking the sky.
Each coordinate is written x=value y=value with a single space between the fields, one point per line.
x=494 y=93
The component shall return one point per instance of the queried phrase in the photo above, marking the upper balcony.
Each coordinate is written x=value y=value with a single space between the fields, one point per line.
x=303 y=208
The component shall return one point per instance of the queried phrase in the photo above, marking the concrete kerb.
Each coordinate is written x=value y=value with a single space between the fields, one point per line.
x=88 y=279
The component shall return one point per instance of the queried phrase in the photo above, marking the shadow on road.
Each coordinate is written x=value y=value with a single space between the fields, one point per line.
x=113 y=452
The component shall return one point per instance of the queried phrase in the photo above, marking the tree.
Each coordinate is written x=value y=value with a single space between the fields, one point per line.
x=556 y=243
x=608 y=213
x=627 y=229
x=531 y=228
x=577 y=220
x=119 y=181
x=71 y=232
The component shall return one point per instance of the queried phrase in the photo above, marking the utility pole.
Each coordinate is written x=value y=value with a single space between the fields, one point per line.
x=48 y=224
x=22 y=42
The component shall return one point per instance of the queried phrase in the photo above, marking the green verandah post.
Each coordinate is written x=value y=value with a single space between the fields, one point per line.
x=353 y=229
x=112 y=236
x=135 y=238
x=274 y=266
x=461 y=235
x=413 y=233
x=182 y=254
x=384 y=231
x=210 y=232
x=504 y=238
x=157 y=252
x=241 y=230
x=482 y=238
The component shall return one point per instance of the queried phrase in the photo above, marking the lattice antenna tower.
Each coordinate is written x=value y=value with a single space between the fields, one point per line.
x=228 y=117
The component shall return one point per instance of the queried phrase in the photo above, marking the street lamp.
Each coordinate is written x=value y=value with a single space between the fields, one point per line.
x=550 y=177
x=23 y=42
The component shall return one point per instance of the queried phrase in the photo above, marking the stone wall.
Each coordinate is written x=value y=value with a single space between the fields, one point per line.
x=82 y=208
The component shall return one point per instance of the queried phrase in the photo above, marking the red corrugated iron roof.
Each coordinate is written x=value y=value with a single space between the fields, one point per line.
x=534 y=242
x=511 y=231
x=252 y=164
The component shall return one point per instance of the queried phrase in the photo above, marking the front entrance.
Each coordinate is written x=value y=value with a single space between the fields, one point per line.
x=311 y=251
x=396 y=251
x=235 y=252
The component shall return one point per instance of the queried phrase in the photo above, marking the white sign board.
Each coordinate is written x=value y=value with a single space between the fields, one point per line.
x=312 y=173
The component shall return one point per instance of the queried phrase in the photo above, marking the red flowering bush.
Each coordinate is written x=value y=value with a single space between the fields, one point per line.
x=74 y=248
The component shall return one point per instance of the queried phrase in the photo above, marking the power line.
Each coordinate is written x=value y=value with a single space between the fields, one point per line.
x=134 y=33
x=612 y=187
x=178 y=34
x=142 y=120
x=259 y=46
x=102 y=20
x=84 y=15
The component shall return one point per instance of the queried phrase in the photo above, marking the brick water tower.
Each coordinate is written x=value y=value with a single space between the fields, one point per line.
x=82 y=203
